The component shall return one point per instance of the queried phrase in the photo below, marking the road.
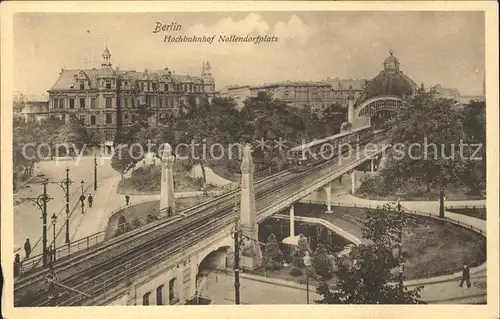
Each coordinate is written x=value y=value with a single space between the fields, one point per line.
x=220 y=288
x=27 y=216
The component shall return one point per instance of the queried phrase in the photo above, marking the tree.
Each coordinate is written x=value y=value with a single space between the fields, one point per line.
x=321 y=262
x=428 y=132
x=364 y=277
x=123 y=160
x=18 y=102
x=273 y=257
x=72 y=137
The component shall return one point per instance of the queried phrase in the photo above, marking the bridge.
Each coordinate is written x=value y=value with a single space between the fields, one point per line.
x=159 y=263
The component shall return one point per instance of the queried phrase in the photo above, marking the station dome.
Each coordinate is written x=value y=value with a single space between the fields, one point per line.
x=389 y=82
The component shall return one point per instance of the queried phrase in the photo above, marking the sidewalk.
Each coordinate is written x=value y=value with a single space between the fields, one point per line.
x=437 y=287
x=106 y=202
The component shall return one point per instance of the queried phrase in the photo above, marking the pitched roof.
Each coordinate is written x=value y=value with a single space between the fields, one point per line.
x=67 y=78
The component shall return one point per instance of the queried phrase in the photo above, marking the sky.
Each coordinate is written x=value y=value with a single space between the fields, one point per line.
x=446 y=48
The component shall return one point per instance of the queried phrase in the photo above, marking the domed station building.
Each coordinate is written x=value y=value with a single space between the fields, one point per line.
x=384 y=94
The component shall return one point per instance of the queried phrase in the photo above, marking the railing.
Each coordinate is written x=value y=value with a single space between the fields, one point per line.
x=65 y=250
x=109 y=285
x=414 y=212
x=36 y=259
x=473 y=207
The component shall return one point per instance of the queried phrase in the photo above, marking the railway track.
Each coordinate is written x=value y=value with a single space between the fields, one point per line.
x=162 y=239
x=144 y=240
x=156 y=253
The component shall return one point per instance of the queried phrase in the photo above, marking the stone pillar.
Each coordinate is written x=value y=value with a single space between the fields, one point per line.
x=353 y=182
x=350 y=108
x=251 y=253
x=328 y=190
x=167 y=199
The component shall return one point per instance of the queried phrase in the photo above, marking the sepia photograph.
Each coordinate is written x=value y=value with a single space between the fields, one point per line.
x=234 y=156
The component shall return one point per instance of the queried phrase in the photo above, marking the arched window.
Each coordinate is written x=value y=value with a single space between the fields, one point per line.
x=172 y=287
x=159 y=295
x=145 y=299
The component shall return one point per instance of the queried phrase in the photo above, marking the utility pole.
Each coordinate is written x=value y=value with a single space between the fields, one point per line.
x=67 y=182
x=44 y=223
x=95 y=172
x=237 y=264
x=400 y=248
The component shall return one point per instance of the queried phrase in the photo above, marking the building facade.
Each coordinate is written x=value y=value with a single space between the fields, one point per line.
x=35 y=109
x=238 y=93
x=107 y=97
x=316 y=95
x=342 y=88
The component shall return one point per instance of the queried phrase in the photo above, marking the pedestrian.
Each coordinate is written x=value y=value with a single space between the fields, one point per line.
x=465 y=276
x=90 y=199
x=127 y=199
x=49 y=254
x=27 y=248
x=17 y=265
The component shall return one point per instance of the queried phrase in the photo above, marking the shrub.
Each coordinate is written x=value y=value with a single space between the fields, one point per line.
x=296 y=272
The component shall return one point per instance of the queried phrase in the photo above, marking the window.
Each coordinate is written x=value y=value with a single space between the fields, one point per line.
x=61 y=103
x=82 y=119
x=82 y=86
x=108 y=103
x=125 y=101
x=109 y=118
x=159 y=295
x=154 y=86
x=92 y=119
x=142 y=86
x=92 y=103
x=145 y=299
x=171 y=291
x=108 y=84
x=148 y=100
x=56 y=103
x=125 y=117
x=82 y=102
x=160 y=100
x=126 y=84
x=149 y=86
x=133 y=102
x=71 y=103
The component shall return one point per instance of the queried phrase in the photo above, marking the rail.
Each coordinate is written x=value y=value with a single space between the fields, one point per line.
x=473 y=207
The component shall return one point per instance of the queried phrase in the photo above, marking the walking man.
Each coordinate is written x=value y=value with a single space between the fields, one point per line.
x=127 y=199
x=465 y=276
x=27 y=248
x=91 y=200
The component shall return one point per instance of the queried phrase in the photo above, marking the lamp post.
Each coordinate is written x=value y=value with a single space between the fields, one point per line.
x=82 y=198
x=95 y=172
x=307 y=263
x=236 y=234
x=54 y=220
x=67 y=182
x=441 y=202
x=400 y=244
x=41 y=201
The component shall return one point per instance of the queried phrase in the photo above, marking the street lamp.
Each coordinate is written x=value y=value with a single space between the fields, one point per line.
x=400 y=244
x=441 y=202
x=41 y=202
x=54 y=220
x=67 y=182
x=95 y=172
x=307 y=263
x=82 y=198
